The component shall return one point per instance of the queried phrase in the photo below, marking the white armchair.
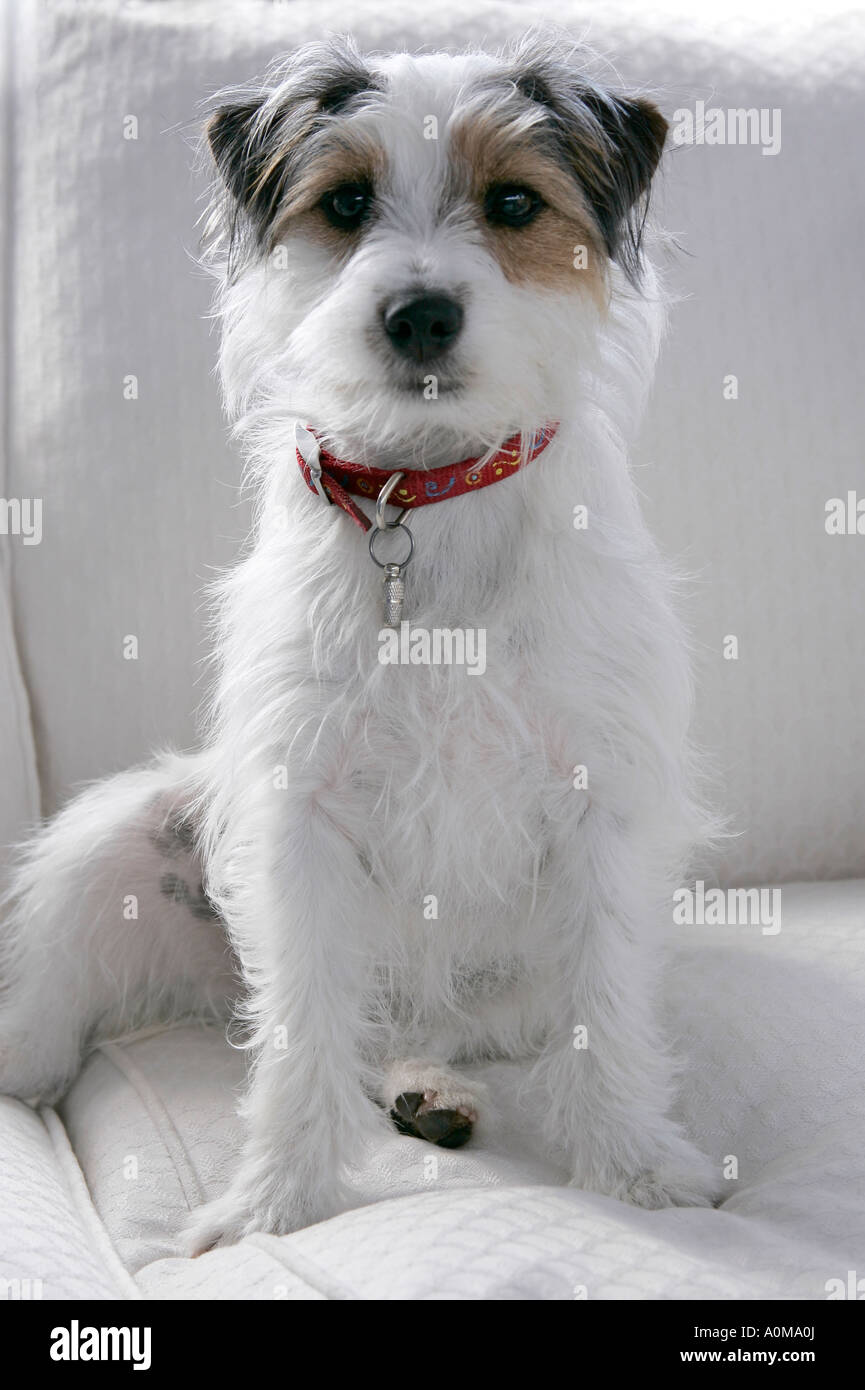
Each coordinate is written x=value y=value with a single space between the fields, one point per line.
x=113 y=422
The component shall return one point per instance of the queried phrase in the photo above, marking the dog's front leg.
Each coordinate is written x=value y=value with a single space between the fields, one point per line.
x=299 y=929
x=607 y=1068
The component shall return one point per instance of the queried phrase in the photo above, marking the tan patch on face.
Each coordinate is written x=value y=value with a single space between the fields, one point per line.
x=341 y=158
x=562 y=247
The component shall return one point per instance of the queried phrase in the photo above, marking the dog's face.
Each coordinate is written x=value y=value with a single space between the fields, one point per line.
x=424 y=245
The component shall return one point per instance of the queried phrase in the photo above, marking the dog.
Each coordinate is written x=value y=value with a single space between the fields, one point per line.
x=439 y=326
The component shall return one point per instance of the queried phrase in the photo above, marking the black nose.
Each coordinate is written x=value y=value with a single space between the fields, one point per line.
x=424 y=328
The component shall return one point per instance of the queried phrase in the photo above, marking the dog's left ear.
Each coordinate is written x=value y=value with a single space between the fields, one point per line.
x=635 y=131
x=612 y=144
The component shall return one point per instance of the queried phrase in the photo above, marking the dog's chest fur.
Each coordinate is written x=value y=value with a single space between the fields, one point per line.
x=449 y=807
x=453 y=793
x=443 y=777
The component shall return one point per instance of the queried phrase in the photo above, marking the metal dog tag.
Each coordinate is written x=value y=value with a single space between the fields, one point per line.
x=394 y=583
x=394 y=593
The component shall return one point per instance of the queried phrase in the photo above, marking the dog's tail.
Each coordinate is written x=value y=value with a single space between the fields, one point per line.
x=106 y=927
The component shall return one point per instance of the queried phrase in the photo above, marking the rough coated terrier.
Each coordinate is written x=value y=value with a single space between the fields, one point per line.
x=435 y=267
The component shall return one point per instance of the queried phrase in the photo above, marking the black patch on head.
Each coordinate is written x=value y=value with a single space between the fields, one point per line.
x=257 y=144
x=352 y=83
x=533 y=88
x=613 y=145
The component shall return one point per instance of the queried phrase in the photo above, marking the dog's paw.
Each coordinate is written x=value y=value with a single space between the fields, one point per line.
x=675 y=1176
x=221 y=1222
x=419 y=1114
x=654 y=1191
x=277 y=1209
x=428 y=1102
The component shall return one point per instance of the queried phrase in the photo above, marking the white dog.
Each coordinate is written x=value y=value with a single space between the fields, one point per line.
x=434 y=265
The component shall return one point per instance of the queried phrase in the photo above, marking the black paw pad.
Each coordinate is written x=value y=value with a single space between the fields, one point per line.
x=447 y=1128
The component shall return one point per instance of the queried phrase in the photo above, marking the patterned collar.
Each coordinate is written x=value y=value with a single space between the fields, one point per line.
x=337 y=480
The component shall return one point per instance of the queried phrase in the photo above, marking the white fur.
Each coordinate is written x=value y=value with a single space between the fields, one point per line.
x=406 y=782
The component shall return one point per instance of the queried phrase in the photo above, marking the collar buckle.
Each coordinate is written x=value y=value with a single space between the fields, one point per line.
x=310 y=451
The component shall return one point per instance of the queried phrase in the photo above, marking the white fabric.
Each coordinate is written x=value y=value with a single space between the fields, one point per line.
x=51 y=1243
x=140 y=495
x=772 y=1032
x=19 y=784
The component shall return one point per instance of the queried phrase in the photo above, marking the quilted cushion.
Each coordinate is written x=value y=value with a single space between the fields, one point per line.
x=772 y=1028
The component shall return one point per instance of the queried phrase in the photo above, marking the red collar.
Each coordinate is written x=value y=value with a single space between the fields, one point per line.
x=418 y=487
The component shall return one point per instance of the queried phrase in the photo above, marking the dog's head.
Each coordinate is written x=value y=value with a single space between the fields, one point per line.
x=419 y=246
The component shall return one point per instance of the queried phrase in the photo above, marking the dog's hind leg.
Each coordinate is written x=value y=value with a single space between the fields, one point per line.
x=106 y=927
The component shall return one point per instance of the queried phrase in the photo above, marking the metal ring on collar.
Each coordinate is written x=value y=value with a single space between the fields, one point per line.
x=382 y=501
x=377 y=531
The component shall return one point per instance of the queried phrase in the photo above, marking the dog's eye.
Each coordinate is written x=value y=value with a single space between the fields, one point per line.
x=511 y=205
x=348 y=205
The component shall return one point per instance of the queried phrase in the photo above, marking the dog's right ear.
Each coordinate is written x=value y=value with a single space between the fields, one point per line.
x=236 y=145
x=253 y=143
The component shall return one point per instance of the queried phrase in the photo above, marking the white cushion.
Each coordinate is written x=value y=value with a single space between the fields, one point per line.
x=772 y=1033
